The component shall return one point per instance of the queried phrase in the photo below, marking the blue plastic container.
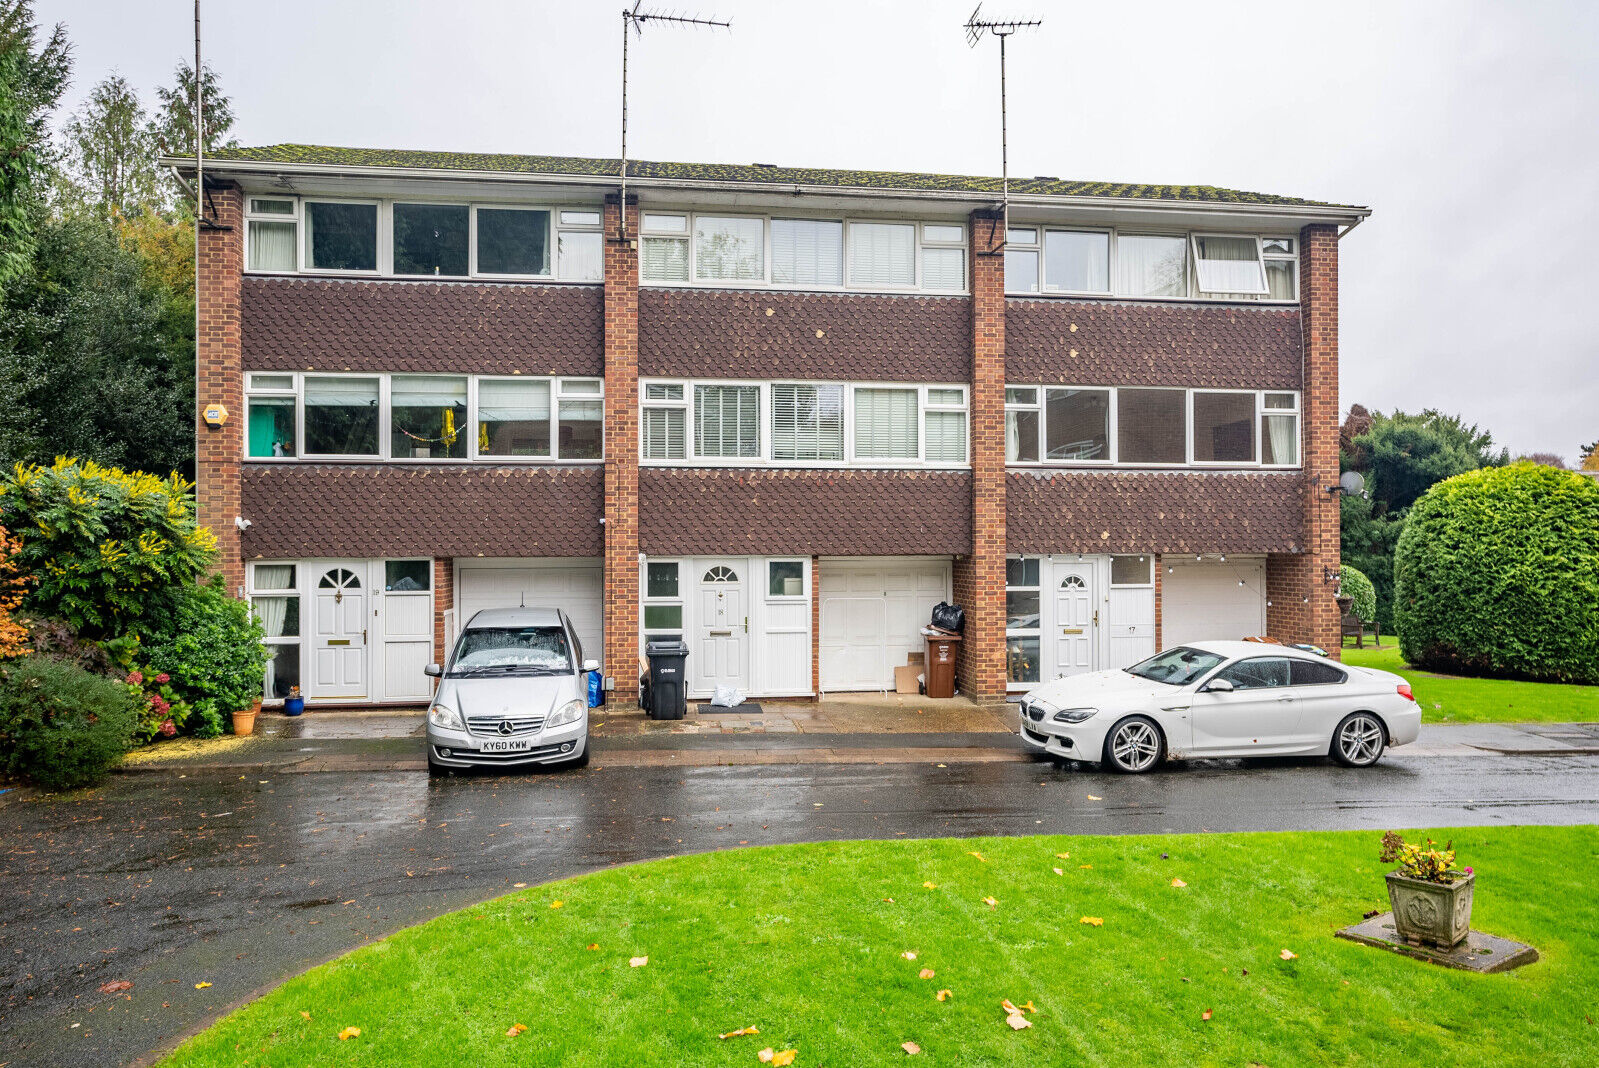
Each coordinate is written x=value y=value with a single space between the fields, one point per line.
x=596 y=694
x=293 y=706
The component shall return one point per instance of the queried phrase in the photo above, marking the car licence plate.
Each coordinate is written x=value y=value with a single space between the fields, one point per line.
x=507 y=745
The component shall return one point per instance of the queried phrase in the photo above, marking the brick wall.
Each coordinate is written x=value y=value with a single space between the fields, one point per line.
x=1301 y=604
x=221 y=381
x=443 y=601
x=979 y=577
x=621 y=451
x=816 y=625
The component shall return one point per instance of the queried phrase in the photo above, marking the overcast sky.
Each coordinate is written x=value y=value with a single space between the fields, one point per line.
x=1468 y=127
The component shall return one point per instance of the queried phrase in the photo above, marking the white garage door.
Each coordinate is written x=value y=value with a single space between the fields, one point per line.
x=1202 y=601
x=872 y=616
x=574 y=586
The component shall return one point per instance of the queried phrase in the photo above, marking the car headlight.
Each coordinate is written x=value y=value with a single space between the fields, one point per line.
x=1075 y=715
x=446 y=717
x=570 y=712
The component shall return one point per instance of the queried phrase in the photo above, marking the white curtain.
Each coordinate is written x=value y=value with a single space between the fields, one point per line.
x=1151 y=266
x=1282 y=437
x=272 y=246
x=885 y=424
x=1229 y=265
x=1077 y=262
x=730 y=249
x=807 y=252
x=581 y=255
x=882 y=254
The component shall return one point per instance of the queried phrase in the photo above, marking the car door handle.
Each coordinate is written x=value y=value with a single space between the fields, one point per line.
x=1286 y=697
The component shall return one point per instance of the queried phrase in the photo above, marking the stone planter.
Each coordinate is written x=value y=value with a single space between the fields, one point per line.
x=1434 y=914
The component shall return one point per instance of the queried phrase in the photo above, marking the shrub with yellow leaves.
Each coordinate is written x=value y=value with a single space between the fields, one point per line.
x=13 y=584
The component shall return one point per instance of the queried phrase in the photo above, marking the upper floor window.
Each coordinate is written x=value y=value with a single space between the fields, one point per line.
x=804 y=423
x=1151 y=426
x=423 y=417
x=410 y=239
x=707 y=249
x=1148 y=265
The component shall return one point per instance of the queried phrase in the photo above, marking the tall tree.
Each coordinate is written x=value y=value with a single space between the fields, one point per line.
x=172 y=126
x=111 y=152
x=32 y=76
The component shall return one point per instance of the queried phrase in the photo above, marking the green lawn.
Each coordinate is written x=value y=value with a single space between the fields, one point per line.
x=806 y=943
x=1455 y=699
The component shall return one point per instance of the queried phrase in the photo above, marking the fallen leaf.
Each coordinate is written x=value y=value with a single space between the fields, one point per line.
x=1288 y=954
x=594 y=945
x=305 y=1014
x=1178 y=883
x=1063 y=856
x=909 y=954
x=945 y=995
x=1017 y=1022
x=782 y=1057
x=1205 y=1015
x=556 y=904
x=1092 y=921
x=1085 y=865
x=1028 y=1005
x=990 y=902
x=637 y=962
x=1091 y=797
x=116 y=986
x=1057 y=871
x=741 y=1031
x=517 y=886
x=930 y=886
x=888 y=901
x=910 y=1047
x=515 y=1030
x=765 y=1056
x=201 y=985
x=349 y=1033
x=925 y=973
x=979 y=856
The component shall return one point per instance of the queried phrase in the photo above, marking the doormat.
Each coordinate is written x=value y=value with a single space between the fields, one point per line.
x=748 y=708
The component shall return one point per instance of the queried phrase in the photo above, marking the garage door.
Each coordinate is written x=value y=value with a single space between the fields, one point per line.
x=872 y=613
x=1202 y=601
x=574 y=586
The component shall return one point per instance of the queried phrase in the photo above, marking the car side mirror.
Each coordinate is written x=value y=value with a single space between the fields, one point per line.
x=1218 y=686
x=433 y=671
x=591 y=665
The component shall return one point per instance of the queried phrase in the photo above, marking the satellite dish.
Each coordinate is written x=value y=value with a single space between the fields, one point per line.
x=1352 y=484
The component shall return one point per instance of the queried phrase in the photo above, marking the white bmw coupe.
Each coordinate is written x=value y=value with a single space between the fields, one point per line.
x=1221 y=699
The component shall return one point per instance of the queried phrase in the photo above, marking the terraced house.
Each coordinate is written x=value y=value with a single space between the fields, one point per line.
x=780 y=412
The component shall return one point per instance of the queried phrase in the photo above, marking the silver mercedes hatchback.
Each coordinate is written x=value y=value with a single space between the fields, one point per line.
x=514 y=693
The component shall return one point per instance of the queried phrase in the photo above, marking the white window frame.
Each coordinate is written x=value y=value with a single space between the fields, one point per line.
x=562 y=387
x=685 y=236
x=691 y=457
x=1043 y=426
x=471 y=236
x=1291 y=257
x=1035 y=405
x=1197 y=286
x=805 y=579
x=1035 y=247
x=253 y=592
x=1025 y=632
x=730 y=283
x=1110 y=260
x=680 y=601
x=682 y=403
x=922 y=248
x=1110 y=570
x=292 y=217
x=559 y=225
x=1040 y=405
x=550 y=241
x=383 y=259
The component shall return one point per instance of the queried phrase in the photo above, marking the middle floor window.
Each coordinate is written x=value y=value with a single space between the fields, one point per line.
x=804 y=423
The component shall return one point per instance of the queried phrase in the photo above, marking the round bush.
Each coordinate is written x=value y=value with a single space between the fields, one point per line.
x=210 y=646
x=1497 y=573
x=1353 y=583
x=59 y=725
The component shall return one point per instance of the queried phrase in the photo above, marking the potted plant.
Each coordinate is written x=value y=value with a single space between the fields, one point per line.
x=244 y=720
x=1431 y=898
x=293 y=704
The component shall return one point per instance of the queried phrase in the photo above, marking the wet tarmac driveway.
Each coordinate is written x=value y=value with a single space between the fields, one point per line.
x=242 y=880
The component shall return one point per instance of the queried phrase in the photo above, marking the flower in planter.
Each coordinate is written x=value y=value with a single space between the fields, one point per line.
x=1422 y=862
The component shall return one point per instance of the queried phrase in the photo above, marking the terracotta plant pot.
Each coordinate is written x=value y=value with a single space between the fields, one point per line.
x=1434 y=914
x=244 y=722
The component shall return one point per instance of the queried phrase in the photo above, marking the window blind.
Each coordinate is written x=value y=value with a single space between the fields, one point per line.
x=504 y=400
x=664 y=433
x=341 y=392
x=885 y=424
x=729 y=249
x=727 y=421
x=943 y=268
x=946 y=437
x=807 y=422
x=426 y=391
x=882 y=254
x=665 y=259
x=807 y=252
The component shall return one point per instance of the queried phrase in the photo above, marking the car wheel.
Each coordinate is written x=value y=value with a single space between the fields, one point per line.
x=1134 y=745
x=582 y=761
x=1359 y=740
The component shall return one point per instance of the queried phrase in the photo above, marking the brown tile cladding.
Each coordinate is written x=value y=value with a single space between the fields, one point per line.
x=1153 y=512
x=371 y=510
x=709 y=511
x=744 y=334
x=299 y=324
x=1134 y=343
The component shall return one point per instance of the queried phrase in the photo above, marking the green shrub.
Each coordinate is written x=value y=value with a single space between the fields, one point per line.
x=1352 y=582
x=210 y=648
x=1497 y=573
x=59 y=725
x=107 y=547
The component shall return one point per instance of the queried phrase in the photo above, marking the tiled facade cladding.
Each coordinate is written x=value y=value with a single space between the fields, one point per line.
x=621 y=331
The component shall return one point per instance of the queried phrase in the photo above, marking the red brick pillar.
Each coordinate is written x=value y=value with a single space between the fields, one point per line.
x=621 y=455
x=443 y=601
x=219 y=356
x=979 y=578
x=1159 y=590
x=1301 y=604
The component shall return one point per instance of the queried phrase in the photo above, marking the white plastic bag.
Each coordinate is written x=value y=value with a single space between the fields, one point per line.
x=726 y=697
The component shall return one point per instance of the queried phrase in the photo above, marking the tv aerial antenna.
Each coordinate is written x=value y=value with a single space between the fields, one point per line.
x=976 y=26
x=634 y=19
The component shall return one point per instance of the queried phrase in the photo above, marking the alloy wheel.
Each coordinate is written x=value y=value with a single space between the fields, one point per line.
x=1360 y=740
x=1135 y=746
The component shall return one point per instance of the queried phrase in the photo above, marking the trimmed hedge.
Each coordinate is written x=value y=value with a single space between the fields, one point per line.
x=1497 y=573
x=1353 y=583
x=59 y=725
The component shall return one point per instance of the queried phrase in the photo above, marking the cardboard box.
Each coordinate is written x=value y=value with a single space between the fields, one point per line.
x=917 y=657
x=905 y=678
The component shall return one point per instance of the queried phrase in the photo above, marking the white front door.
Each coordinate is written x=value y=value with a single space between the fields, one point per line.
x=1076 y=617
x=722 y=628
x=339 y=632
